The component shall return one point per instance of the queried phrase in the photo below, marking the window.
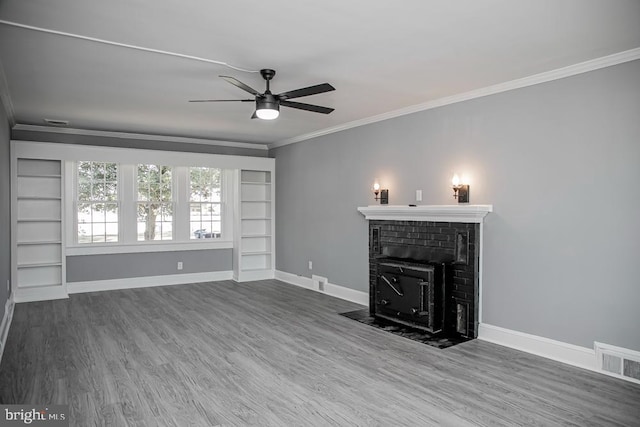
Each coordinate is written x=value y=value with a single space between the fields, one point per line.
x=97 y=202
x=148 y=204
x=155 y=203
x=205 y=209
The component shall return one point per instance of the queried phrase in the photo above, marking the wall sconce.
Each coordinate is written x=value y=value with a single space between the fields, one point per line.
x=460 y=191
x=382 y=195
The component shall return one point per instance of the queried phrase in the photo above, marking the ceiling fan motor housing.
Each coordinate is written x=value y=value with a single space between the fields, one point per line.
x=268 y=101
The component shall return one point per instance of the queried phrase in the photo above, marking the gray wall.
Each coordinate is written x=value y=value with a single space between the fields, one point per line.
x=5 y=210
x=121 y=266
x=26 y=135
x=559 y=161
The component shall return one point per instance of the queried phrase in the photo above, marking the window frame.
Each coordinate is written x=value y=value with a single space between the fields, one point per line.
x=127 y=211
x=220 y=203
x=77 y=202
x=173 y=202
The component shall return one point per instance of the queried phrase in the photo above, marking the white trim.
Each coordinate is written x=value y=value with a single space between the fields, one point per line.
x=253 y=275
x=193 y=245
x=559 y=351
x=480 y=269
x=331 y=289
x=75 y=152
x=294 y=279
x=139 y=136
x=6 y=324
x=5 y=97
x=147 y=281
x=44 y=293
x=547 y=76
x=444 y=213
x=127 y=157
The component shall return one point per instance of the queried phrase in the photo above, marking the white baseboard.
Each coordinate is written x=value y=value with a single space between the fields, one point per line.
x=6 y=324
x=44 y=293
x=570 y=354
x=250 y=276
x=334 y=290
x=147 y=281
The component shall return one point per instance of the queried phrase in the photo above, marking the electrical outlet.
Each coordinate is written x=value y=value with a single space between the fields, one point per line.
x=418 y=195
x=310 y=265
x=179 y=265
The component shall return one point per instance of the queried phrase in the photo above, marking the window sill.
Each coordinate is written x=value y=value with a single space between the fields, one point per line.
x=125 y=248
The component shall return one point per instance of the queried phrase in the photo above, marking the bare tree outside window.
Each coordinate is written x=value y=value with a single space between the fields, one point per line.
x=155 y=203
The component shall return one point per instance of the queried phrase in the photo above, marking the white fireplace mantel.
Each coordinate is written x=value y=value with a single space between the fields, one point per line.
x=440 y=213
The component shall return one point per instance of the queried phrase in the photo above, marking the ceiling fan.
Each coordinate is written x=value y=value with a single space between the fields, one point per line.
x=268 y=104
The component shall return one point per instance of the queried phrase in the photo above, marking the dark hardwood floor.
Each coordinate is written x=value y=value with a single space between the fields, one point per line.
x=270 y=354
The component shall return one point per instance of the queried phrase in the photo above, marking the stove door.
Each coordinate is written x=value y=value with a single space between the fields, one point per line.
x=405 y=294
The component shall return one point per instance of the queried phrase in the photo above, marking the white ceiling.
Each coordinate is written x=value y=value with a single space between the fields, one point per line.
x=380 y=56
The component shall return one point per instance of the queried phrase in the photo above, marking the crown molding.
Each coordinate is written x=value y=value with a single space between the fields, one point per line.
x=5 y=98
x=547 y=76
x=138 y=136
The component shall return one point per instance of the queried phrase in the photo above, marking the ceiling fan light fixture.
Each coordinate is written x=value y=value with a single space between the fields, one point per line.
x=267 y=108
x=267 y=114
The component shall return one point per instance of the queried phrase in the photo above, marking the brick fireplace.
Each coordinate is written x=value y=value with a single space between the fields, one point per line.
x=445 y=243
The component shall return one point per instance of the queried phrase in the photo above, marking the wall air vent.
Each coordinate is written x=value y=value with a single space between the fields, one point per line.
x=54 y=122
x=618 y=362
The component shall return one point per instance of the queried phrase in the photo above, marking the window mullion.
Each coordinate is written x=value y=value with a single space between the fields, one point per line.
x=181 y=203
x=127 y=201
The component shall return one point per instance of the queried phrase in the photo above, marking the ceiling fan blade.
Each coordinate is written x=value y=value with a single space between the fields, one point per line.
x=311 y=90
x=307 y=107
x=222 y=100
x=241 y=85
x=254 y=115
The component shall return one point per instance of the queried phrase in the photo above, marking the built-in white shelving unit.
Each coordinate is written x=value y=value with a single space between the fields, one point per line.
x=38 y=229
x=43 y=211
x=254 y=254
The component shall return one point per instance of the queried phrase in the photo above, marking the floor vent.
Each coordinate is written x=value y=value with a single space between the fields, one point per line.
x=618 y=362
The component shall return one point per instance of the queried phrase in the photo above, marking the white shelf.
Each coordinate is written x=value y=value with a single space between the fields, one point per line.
x=255 y=244
x=251 y=253
x=40 y=242
x=33 y=175
x=39 y=198
x=438 y=213
x=39 y=259
x=255 y=183
x=39 y=264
